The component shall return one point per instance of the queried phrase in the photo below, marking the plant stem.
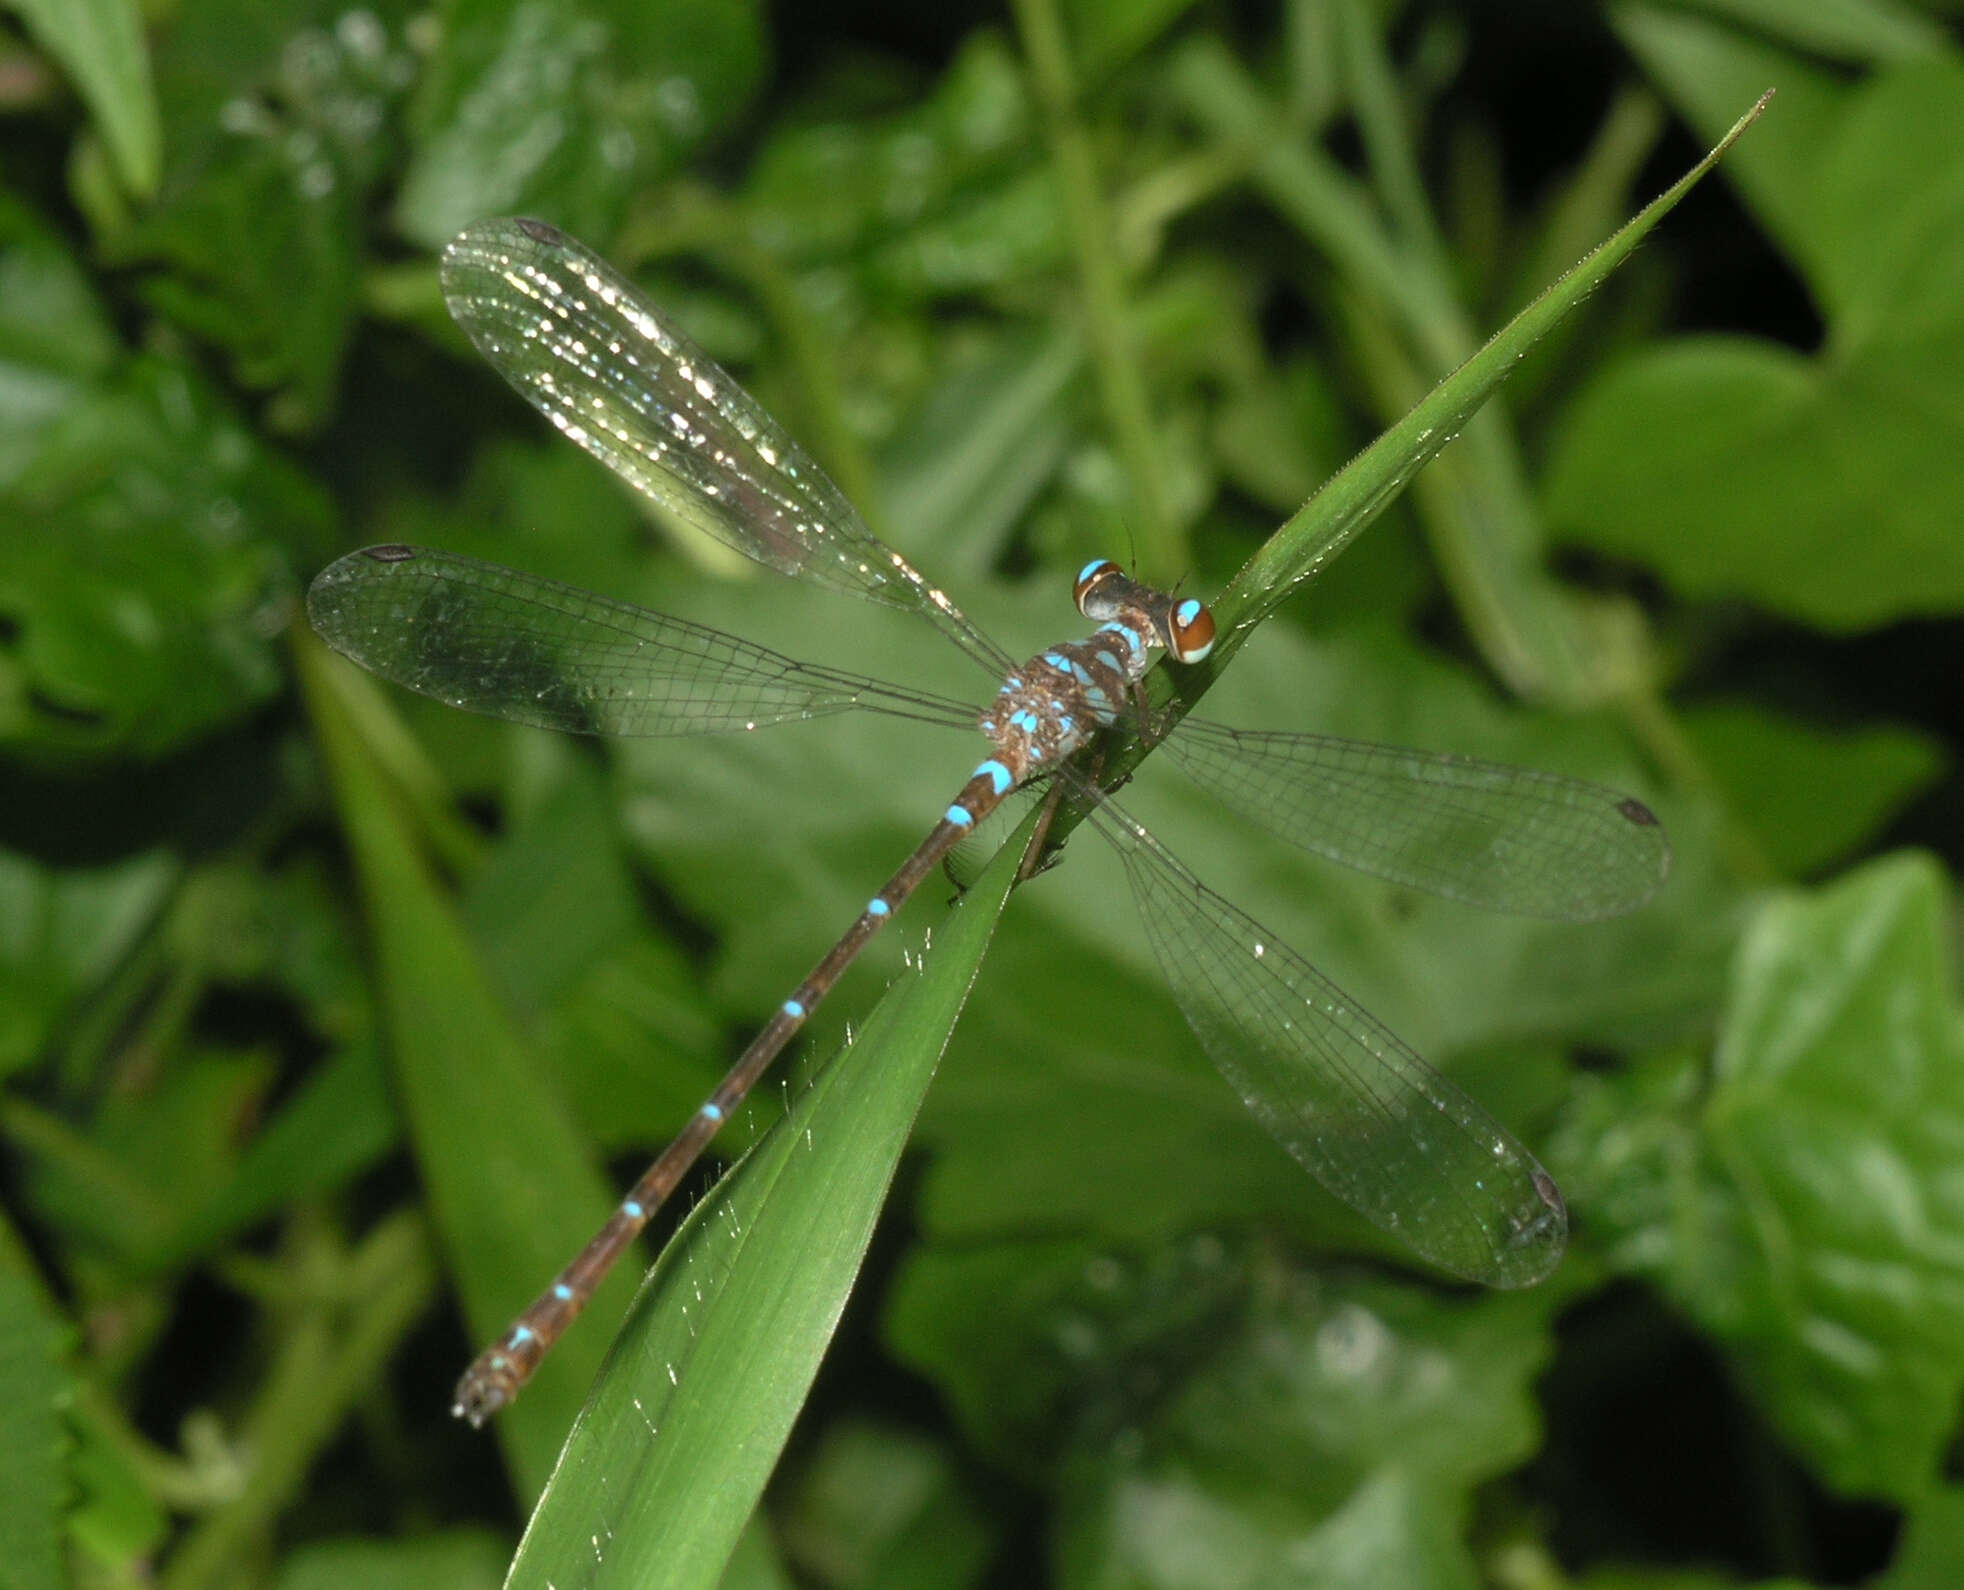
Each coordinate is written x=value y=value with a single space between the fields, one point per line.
x=1114 y=357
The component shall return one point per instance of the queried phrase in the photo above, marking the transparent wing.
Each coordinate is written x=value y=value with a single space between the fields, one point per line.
x=512 y=645
x=1363 y=1114
x=610 y=371
x=1506 y=838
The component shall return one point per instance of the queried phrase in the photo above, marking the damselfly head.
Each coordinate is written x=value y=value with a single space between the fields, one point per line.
x=1189 y=630
x=1096 y=576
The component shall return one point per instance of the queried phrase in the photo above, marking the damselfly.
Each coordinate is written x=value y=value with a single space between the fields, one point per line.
x=1364 y=1114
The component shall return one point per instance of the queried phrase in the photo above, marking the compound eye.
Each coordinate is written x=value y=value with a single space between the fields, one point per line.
x=1089 y=578
x=1190 y=631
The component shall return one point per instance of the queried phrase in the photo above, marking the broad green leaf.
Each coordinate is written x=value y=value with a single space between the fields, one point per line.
x=113 y=1517
x=701 y=1389
x=556 y=896
x=62 y=930
x=141 y=611
x=154 y=1158
x=1801 y=1203
x=1859 y=31
x=341 y=1122
x=1331 y=1435
x=278 y=128
x=56 y=338
x=1817 y=486
x=1931 y=1553
x=100 y=44
x=33 y=1445
x=981 y=447
x=513 y=1190
x=635 y=1045
x=1810 y=794
x=1107 y=33
x=877 y=1505
x=1041 y=1343
x=1702 y=68
x=567 y=109
x=990 y=239
x=841 y=187
x=449 y=1560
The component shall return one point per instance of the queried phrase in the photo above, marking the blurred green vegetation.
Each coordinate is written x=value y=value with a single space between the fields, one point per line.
x=287 y=958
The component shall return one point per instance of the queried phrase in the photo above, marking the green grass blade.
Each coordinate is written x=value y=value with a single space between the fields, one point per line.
x=1357 y=493
x=672 y=1452
x=100 y=44
x=511 y=1186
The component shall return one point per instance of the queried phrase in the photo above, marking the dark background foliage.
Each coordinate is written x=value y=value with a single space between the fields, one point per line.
x=1126 y=277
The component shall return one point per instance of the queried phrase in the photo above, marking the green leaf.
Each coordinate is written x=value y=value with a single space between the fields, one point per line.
x=279 y=127
x=1040 y=1343
x=56 y=338
x=843 y=186
x=32 y=1442
x=1332 y=1435
x=157 y=1157
x=142 y=611
x=456 y=1559
x=1107 y=33
x=514 y=1192
x=100 y=44
x=62 y=930
x=556 y=896
x=1799 y=1204
x=1810 y=794
x=879 y=1506
x=1736 y=467
x=701 y=1389
x=1360 y=491
x=115 y=1518
x=340 y=1122
x=567 y=109
x=982 y=445
x=1856 y=31
x=1931 y=1553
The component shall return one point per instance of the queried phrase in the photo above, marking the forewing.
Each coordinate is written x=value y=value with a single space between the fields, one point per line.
x=613 y=373
x=512 y=645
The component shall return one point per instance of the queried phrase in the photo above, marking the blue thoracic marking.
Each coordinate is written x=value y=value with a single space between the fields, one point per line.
x=793 y=1009
x=520 y=1335
x=712 y=1111
x=1131 y=635
x=877 y=907
x=957 y=816
x=633 y=1210
x=563 y=1292
x=999 y=775
x=1187 y=611
x=1089 y=569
